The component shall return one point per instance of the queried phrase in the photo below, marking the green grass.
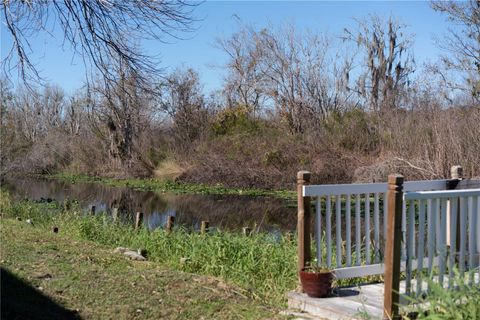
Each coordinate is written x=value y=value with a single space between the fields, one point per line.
x=461 y=303
x=172 y=186
x=262 y=266
x=56 y=276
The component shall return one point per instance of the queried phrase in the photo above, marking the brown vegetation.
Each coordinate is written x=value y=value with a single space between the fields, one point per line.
x=290 y=101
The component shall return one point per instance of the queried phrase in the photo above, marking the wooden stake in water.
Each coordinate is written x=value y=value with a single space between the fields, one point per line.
x=92 y=210
x=289 y=236
x=138 y=220
x=205 y=227
x=114 y=214
x=170 y=223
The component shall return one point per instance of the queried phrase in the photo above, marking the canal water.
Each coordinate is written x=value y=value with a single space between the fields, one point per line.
x=224 y=212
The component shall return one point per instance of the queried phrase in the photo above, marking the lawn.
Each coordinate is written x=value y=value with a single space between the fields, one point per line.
x=47 y=275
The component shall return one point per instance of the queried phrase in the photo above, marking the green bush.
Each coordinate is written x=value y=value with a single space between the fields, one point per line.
x=234 y=120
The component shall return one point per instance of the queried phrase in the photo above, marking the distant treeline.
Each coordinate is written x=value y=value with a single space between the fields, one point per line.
x=348 y=107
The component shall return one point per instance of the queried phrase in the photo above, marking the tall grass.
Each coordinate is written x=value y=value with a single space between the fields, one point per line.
x=461 y=303
x=261 y=265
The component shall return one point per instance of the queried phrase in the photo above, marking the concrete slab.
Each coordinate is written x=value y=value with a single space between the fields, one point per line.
x=358 y=302
x=362 y=302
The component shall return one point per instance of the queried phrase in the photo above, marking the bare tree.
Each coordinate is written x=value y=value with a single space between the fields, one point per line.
x=74 y=116
x=36 y=113
x=53 y=105
x=99 y=31
x=282 y=69
x=388 y=61
x=303 y=76
x=182 y=100
x=118 y=113
x=7 y=122
x=243 y=83
x=462 y=43
x=296 y=73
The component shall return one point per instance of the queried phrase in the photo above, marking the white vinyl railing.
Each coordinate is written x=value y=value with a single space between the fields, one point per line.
x=443 y=237
x=350 y=224
x=365 y=204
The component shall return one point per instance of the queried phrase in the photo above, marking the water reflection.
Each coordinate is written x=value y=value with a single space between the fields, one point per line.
x=223 y=212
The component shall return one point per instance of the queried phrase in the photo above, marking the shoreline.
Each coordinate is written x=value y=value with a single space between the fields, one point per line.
x=152 y=184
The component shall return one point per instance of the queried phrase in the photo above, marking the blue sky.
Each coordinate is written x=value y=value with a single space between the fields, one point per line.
x=220 y=18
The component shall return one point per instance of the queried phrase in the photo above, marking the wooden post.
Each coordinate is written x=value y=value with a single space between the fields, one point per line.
x=303 y=221
x=114 y=214
x=92 y=210
x=392 y=250
x=289 y=236
x=456 y=175
x=204 y=228
x=246 y=231
x=170 y=223
x=456 y=172
x=138 y=220
x=66 y=204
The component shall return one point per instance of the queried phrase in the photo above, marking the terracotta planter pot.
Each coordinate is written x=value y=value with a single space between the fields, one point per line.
x=316 y=284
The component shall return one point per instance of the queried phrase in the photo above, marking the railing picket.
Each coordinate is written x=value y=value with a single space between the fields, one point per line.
x=453 y=241
x=471 y=240
x=463 y=234
x=409 y=246
x=367 y=228
x=431 y=221
x=338 y=236
x=348 y=231
x=385 y=206
x=412 y=231
x=421 y=244
x=437 y=224
x=404 y=230
x=329 y=231
x=443 y=243
x=477 y=215
x=357 y=231
x=376 y=228
x=318 y=230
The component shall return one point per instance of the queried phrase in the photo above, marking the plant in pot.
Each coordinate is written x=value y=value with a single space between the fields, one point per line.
x=316 y=281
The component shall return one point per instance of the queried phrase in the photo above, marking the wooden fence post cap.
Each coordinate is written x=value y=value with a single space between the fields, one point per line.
x=395 y=179
x=456 y=172
x=304 y=175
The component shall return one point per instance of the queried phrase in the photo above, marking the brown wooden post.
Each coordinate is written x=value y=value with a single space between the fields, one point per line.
x=66 y=204
x=204 y=228
x=303 y=221
x=246 y=231
x=114 y=214
x=392 y=250
x=289 y=236
x=170 y=223
x=92 y=210
x=456 y=175
x=138 y=219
